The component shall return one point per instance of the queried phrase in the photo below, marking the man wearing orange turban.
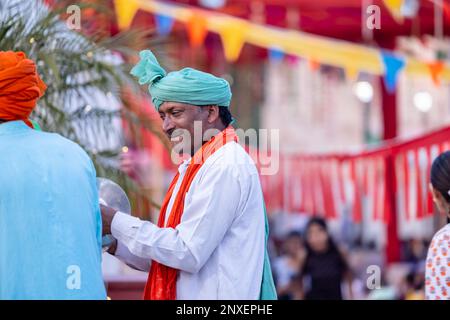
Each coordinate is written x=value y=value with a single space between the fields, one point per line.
x=50 y=222
x=20 y=86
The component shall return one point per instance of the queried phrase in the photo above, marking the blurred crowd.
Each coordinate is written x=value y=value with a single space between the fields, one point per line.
x=309 y=264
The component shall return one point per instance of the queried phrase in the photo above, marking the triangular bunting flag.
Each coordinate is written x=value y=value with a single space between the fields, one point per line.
x=351 y=73
x=313 y=64
x=436 y=69
x=395 y=9
x=125 y=11
x=164 y=24
x=276 y=54
x=197 y=29
x=233 y=36
x=292 y=60
x=392 y=66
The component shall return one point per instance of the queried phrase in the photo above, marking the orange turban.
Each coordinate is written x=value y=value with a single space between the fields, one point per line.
x=20 y=86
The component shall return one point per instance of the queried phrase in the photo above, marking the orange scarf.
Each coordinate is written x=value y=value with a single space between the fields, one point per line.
x=161 y=283
x=20 y=86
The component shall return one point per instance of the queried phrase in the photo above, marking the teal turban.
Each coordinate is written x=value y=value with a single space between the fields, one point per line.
x=186 y=86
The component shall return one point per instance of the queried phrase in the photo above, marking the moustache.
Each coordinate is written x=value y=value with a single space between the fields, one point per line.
x=172 y=137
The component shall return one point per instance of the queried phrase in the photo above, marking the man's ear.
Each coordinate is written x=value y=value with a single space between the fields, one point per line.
x=213 y=113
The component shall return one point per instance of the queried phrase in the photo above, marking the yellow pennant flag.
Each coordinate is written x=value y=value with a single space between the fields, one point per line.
x=125 y=11
x=233 y=34
x=395 y=8
x=351 y=73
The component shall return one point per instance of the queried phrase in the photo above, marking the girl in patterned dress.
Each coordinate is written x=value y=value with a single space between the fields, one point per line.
x=437 y=275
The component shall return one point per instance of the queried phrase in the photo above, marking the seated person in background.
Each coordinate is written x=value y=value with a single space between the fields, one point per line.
x=287 y=265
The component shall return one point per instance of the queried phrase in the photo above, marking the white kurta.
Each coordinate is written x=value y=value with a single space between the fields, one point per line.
x=219 y=244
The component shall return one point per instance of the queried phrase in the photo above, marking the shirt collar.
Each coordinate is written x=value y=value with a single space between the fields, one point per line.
x=183 y=166
x=13 y=127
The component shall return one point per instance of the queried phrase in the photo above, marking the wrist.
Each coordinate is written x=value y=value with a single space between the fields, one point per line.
x=108 y=214
x=112 y=249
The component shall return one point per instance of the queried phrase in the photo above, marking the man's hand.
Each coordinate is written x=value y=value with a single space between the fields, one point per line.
x=107 y=217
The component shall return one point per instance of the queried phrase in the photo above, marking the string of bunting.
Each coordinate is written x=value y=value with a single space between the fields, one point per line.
x=235 y=32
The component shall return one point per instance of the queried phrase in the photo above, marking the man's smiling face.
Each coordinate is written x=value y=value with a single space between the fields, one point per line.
x=178 y=124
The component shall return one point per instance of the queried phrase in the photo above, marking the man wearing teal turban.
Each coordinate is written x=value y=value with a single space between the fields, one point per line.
x=211 y=237
x=188 y=95
x=188 y=85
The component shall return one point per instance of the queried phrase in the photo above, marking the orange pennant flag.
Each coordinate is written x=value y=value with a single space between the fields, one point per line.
x=197 y=29
x=314 y=65
x=436 y=69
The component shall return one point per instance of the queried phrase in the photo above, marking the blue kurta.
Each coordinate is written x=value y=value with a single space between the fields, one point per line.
x=50 y=222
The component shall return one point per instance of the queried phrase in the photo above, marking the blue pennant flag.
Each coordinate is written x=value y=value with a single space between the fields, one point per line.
x=276 y=54
x=164 y=24
x=392 y=65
